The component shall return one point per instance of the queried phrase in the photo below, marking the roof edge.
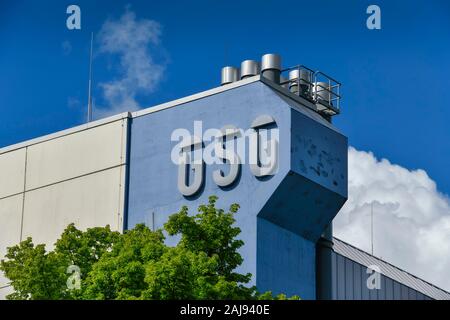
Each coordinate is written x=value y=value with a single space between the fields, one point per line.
x=393 y=266
x=64 y=132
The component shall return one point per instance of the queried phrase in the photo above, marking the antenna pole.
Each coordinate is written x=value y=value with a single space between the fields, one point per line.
x=371 y=224
x=89 y=112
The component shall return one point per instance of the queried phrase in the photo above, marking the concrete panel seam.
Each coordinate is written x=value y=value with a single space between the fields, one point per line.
x=23 y=198
x=121 y=186
x=74 y=178
x=129 y=122
x=12 y=195
x=65 y=132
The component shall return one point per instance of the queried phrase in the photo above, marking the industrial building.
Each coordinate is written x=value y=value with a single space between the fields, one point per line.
x=120 y=171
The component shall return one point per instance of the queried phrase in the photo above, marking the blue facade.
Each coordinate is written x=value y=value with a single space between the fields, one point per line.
x=281 y=216
x=285 y=261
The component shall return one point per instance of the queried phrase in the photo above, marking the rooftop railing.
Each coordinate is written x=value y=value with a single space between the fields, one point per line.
x=315 y=86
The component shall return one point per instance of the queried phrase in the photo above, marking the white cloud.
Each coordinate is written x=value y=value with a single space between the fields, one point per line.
x=73 y=102
x=135 y=41
x=411 y=217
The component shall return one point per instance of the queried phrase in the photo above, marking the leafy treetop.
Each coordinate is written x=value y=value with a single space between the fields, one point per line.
x=138 y=264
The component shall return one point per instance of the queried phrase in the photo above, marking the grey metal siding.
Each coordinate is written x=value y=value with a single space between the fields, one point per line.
x=349 y=277
x=405 y=295
x=350 y=283
x=365 y=291
x=389 y=289
x=334 y=275
x=382 y=291
x=397 y=291
x=340 y=274
x=412 y=294
x=357 y=283
x=392 y=278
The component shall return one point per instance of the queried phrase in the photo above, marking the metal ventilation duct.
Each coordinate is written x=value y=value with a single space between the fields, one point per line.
x=322 y=92
x=271 y=67
x=249 y=68
x=229 y=75
x=293 y=81
x=302 y=77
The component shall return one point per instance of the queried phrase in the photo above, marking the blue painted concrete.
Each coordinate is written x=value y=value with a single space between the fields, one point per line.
x=319 y=154
x=293 y=220
x=285 y=262
x=302 y=206
x=153 y=177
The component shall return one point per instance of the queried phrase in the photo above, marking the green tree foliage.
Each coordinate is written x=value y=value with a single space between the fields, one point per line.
x=138 y=264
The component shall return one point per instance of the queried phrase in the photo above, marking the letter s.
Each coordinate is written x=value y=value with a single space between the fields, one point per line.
x=229 y=155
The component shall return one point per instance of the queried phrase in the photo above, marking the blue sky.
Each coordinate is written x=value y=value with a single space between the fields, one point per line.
x=395 y=80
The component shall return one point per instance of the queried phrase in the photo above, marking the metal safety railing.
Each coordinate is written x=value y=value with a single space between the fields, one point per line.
x=315 y=86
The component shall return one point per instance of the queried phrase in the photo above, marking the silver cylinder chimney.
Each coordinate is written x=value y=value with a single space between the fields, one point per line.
x=271 y=67
x=294 y=81
x=229 y=75
x=322 y=91
x=302 y=77
x=249 y=68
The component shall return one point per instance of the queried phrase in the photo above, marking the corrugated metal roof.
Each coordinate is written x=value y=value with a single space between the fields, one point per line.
x=387 y=269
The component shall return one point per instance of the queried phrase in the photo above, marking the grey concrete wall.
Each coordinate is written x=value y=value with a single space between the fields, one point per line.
x=77 y=176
